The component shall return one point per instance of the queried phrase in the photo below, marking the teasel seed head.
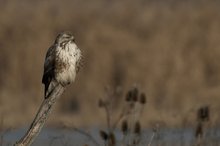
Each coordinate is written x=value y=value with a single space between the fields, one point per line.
x=101 y=103
x=111 y=139
x=199 y=130
x=156 y=128
x=142 y=98
x=203 y=114
x=129 y=96
x=103 y=135
x=135 y=94
x=137 y=128
x=124 y=127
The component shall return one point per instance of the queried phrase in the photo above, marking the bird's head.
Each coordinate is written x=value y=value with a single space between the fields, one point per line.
x=64 y=38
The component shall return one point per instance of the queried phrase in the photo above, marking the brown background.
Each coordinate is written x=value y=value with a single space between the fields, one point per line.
x=170 y=50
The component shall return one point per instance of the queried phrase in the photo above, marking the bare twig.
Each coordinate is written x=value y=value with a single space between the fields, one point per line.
x=155 y=130
x=121 y=116
x=108 y=116
x=87 y=135
x=41 y=117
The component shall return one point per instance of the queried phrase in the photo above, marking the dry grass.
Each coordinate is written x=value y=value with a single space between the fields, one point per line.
x=170 y=49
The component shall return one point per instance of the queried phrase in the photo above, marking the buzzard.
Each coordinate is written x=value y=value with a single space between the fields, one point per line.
x=62 y=62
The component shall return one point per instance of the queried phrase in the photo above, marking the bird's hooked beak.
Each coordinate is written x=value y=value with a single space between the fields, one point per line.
x=72 y=39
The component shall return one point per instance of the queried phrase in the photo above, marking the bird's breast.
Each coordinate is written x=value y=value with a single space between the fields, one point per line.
x=65 y=65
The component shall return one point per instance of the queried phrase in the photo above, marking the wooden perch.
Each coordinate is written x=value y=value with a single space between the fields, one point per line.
x=41 y=117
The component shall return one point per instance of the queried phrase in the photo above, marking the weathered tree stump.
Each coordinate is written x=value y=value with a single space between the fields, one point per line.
x=41 y=116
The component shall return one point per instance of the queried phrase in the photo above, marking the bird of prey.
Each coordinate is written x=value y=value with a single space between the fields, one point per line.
x=62 y=62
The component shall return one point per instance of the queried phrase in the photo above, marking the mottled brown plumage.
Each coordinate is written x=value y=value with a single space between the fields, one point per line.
x=62 y=62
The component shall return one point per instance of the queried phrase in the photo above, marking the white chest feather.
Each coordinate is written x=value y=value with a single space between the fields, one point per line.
x=65 y=68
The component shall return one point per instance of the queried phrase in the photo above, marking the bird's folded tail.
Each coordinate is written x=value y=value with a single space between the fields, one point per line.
x=49 y=88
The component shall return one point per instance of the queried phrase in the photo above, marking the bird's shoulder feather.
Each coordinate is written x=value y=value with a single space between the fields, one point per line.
x=49 y=63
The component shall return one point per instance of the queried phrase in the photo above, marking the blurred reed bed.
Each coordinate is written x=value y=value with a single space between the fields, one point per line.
x=170 y=48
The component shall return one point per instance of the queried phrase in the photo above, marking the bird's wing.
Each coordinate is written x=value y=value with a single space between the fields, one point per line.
x=49 y=65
